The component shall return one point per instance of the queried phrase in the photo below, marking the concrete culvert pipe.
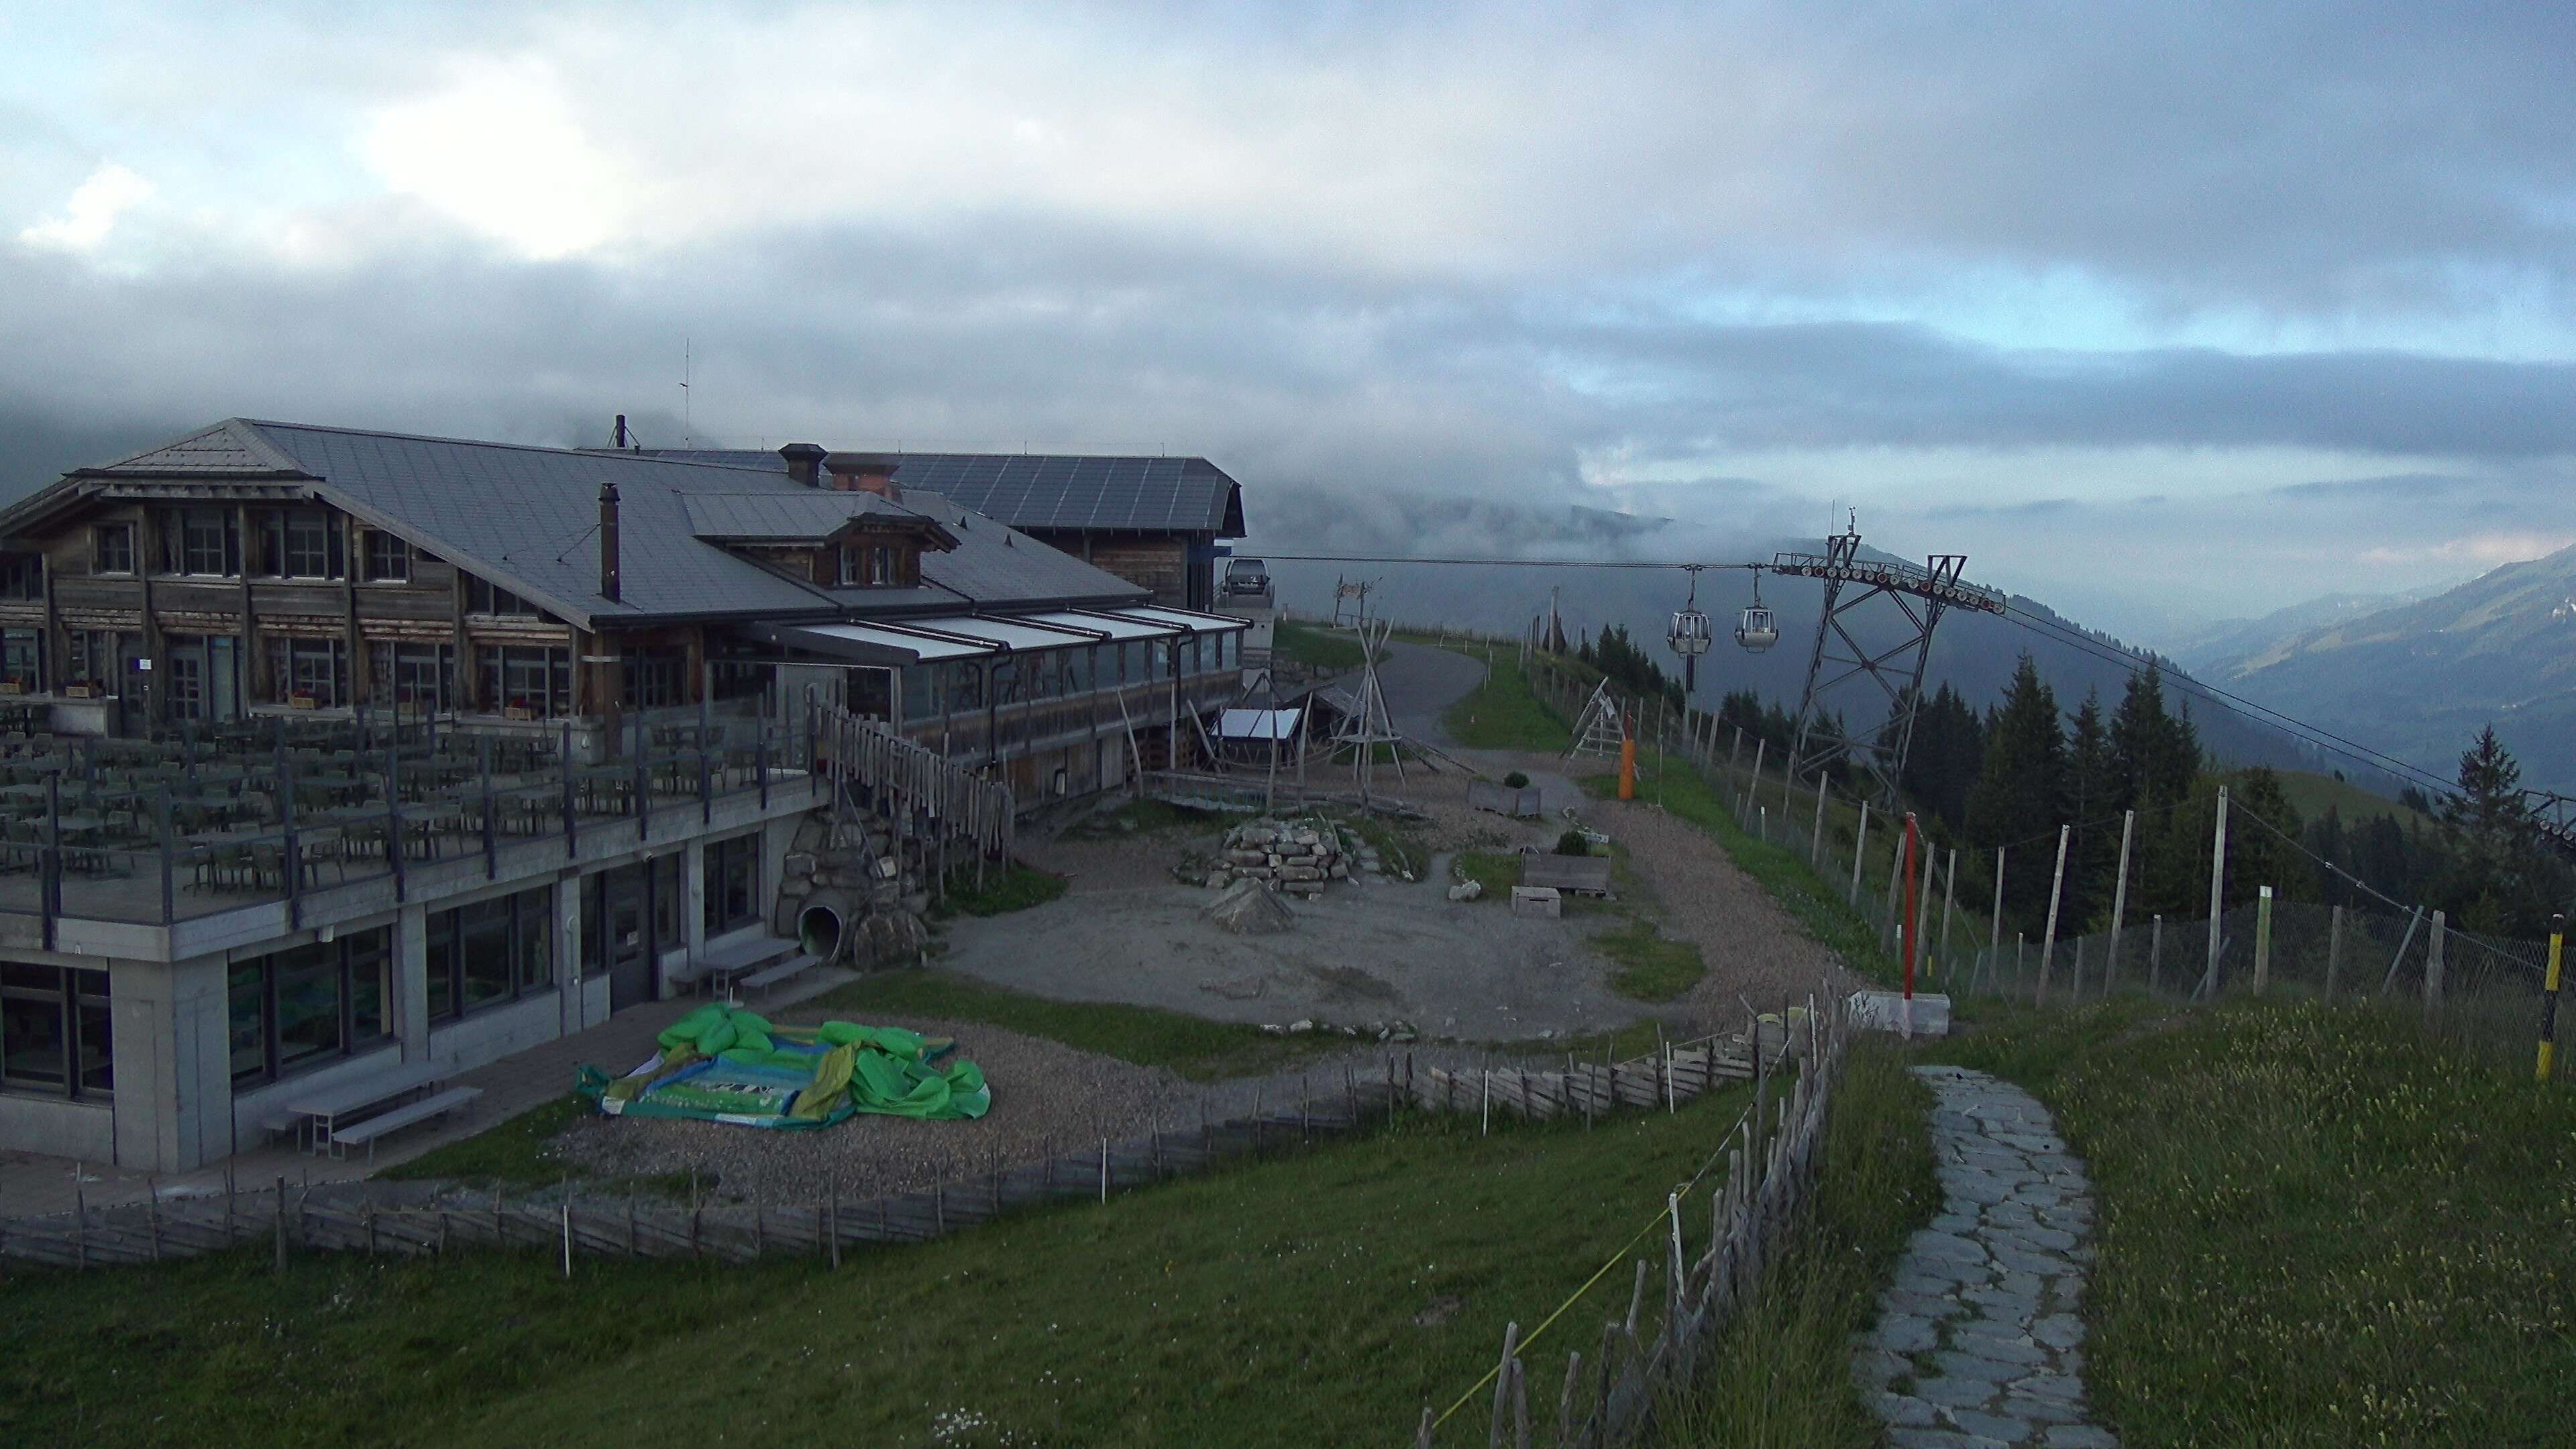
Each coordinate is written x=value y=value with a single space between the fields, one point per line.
x=828 y=922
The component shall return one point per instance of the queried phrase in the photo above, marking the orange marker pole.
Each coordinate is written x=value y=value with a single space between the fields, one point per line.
x=1627 y=764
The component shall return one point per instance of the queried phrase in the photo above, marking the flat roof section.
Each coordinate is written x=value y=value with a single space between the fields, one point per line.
x=1117 y=626
x=870 y=644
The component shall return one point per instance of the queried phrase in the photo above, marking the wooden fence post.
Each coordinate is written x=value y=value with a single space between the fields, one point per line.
x=2262 y=939
x=2056 y=888
x=2433 y=971
x=2334 y=950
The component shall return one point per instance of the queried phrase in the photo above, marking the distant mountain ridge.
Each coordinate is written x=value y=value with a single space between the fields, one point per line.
x=2419 y=679
x=2212 y=649
x=1973 y=653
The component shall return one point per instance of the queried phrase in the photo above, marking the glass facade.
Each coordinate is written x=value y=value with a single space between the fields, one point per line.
x=56 y=1036
x=308 y=1005
x=491 y=951
x=732 y=883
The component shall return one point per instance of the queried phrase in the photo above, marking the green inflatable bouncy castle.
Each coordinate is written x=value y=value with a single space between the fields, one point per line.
x=724 y=1064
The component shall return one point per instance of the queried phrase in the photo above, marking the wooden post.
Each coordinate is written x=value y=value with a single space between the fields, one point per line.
x=1995 y=927
x=2217 y=884
x=1816 y=832
x=1503 y=1385
x=2334 y=949
x=1949 y=897
x=2048 y=941
x=2119 y=902
x=2433 y=970
x=1860 y=847
x=281 y=1224
x=2262 y=939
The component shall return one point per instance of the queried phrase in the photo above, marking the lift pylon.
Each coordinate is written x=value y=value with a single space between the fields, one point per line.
x=1839 y=661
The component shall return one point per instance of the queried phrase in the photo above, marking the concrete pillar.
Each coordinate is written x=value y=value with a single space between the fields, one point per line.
x=411 y=981
x=693 y=896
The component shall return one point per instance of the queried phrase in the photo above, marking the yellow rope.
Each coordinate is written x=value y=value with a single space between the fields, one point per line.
x=1615 y=1258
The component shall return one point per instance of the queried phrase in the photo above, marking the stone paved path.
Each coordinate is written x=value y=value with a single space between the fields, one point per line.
x=1979 y=1341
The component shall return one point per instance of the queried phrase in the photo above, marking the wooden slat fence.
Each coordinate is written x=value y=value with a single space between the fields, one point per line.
x=425 y=1217
x=1769 y=1166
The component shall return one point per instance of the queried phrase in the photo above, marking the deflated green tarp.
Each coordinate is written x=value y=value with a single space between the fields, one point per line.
x=724 y=1064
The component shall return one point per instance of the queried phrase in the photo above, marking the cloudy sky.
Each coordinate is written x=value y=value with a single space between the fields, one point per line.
x=2156 y=313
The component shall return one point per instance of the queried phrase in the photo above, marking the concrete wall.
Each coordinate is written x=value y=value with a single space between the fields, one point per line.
x=174 y=1106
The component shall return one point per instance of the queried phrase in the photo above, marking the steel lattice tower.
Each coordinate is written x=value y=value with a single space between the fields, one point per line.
x=1839 y=659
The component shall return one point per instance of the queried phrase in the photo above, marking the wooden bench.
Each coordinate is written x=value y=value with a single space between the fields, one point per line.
x=400 y=1117
x=795 y=965
x=1574 y=874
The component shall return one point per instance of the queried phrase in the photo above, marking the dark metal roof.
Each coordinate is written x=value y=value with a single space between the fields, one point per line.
x=527 y=519
x=1092 y=493
x=798 y=516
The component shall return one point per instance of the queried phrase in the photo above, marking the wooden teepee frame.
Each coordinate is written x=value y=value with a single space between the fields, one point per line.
x=1602 y=727
x=1370 y=725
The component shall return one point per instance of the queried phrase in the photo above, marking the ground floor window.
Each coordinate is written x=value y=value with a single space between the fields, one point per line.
x=314 y=669
x=22 y=653
x=411 y=679
x=198 y=676
x=299 y=1008
x=535 y=679
x=489 y=952
x=55 y=1033
x=732 y=882
x=656 y=677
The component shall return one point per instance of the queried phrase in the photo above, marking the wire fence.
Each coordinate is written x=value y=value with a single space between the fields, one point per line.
x=1758 y=1179
x=2486 y=994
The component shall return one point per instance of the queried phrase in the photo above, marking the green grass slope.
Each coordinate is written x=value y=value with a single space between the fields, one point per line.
x=1321 y=1299
x=2319 y=1226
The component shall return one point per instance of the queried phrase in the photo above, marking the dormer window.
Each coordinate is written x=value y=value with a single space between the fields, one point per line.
x=868 y=566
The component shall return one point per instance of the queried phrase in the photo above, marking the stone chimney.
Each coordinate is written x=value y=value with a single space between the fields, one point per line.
x=864 y=473
x=608 y=580
x=804 y=463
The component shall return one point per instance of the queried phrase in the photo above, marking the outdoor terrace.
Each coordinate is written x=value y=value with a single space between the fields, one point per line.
x=272 y=811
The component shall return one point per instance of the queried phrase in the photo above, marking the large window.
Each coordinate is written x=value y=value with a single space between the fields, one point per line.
x=920 y=692
x=302 y=543
x=966 y=685
x=204 y=541
x=22 y=658
x=111 y=548
x=315 y=669
x=482 y=598
x=95 y=658
x=489 y=952
x=388 y=557
x=655 y=677
x=531 y=678
x=308 y=1005
x=55 y=1033
x=732 y=883
x=411 y=678
x=22 y=576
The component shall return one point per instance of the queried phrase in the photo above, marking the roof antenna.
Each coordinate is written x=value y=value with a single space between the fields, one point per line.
x=687 y=438
x=620 y=440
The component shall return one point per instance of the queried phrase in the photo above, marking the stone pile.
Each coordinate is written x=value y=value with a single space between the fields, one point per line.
x=1294 y=856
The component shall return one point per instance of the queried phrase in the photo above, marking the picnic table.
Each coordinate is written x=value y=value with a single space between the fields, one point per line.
x=318 y=1110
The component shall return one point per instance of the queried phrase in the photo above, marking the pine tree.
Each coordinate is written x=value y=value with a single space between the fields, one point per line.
x=2092 y=795
x=2021 y=791
x=2498 y=877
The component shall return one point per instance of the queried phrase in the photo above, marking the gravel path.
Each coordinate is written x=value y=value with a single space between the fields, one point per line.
x=1046 y=1096
x=1979 y=1342
x=1755 y=950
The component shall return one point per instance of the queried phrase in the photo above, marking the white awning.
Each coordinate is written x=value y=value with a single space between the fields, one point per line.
x=870 y=644
x=1257 y=724
x=1008 y=633
x=1190 y=619
x=1117 y=626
